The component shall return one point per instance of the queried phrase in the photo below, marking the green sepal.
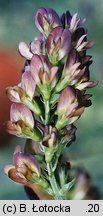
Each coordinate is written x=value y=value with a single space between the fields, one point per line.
x=45 y=91
x=39 y=158
x=49 y=153
x=53 y=59
x=64 y=190
x=40 y=181
x=54 y=99
x=36 y=135
x=63 y=83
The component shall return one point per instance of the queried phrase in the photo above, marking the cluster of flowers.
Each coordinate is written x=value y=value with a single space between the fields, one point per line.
x=49 y=99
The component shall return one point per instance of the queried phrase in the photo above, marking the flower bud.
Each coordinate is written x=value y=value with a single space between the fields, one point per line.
x=37 y=46
x=71 y=22
x=22 y=123
x=46 y=20
x=69 y=134
x=25 y=168
x=75 y=73
x=68 y=109
x=43 y=74
x=50 y=137
x=24 y=92
x=58 y=44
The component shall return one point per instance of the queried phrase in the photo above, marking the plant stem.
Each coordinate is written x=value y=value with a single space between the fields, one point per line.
x=53 y=183
x=47 y=112
x=58 y=153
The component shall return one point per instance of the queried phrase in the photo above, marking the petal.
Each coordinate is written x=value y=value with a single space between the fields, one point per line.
x=78 y=112
x=90 y=44
x=73 y=22
x=28 y=84
x=36 y=66
x=8 y=168
x=30 y=162
x=66 y=19
x=10 y=171
x=66 y=43
x=16 y=154
x=72 y=58
x=13 y=94
x=11 y=129
x=33 y=147
x=86 y=85
x=67 y=101
x=24 y=50
x=43 y=195
x=13 y=175
x=38 y=46
x=21 y=112
x=53 y=73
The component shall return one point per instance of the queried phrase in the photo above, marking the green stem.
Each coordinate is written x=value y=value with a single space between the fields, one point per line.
x=47 y=112
x=53 y=183
x=58 y=153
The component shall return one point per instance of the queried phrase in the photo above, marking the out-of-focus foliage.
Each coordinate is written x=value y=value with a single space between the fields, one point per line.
x=17 y=24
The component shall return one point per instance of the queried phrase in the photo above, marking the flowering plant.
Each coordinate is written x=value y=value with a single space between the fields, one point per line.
x=49 y=99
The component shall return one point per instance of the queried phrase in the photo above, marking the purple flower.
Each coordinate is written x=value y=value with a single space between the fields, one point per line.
x=38 y=46
x=35 y=47
x=80 y=42
x=58 y=44
x=66 y=19
x=25 y=168
x=44 y=74
x=46 y=20
x=24 y=92
x=68 y=109
x=75 y=73
x=84 y=82
x=70 y=132
x=71 y=22
x=50 y=137
x=71 y=72
x=22 y=123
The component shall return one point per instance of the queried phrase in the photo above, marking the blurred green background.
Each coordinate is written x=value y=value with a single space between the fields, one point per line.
x=17 y=24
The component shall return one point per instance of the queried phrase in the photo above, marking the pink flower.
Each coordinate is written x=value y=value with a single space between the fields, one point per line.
x=25 y=168
x=37 y=46
x=22 y=123
x=44 y=74
x=58 y=44
x=24 y=92
x=21 y=120
x=75 y=73
x=71 y=22
x=46 y=20
x=68 y=108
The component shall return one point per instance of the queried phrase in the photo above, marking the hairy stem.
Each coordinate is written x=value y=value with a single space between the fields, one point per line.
x=47 y=112
x=53 y=183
